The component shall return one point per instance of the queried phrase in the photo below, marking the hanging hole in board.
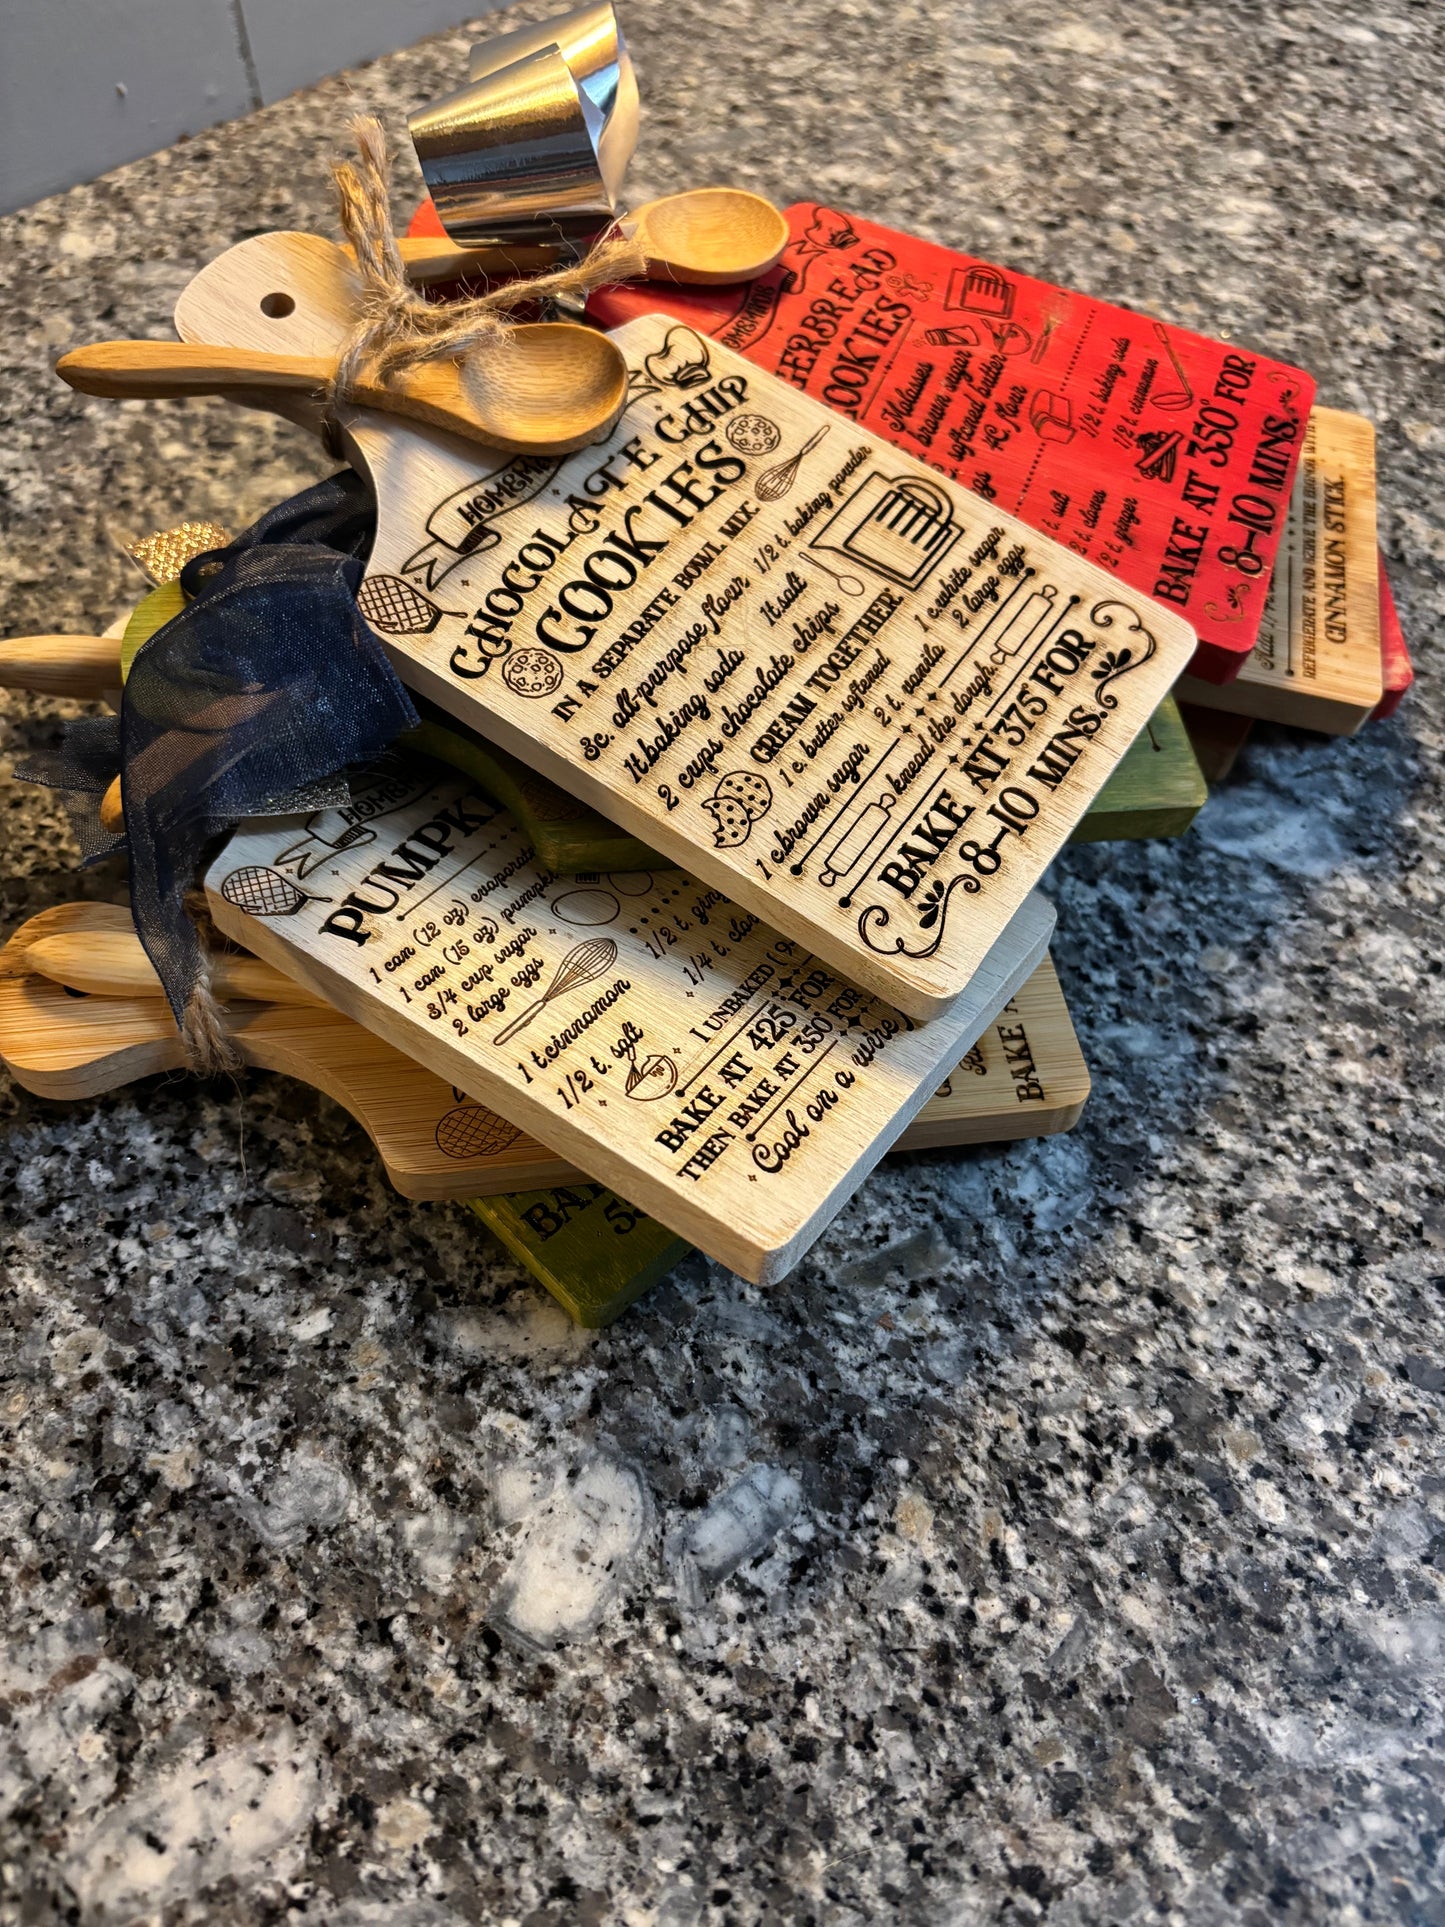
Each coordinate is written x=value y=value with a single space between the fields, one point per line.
x=276 y=307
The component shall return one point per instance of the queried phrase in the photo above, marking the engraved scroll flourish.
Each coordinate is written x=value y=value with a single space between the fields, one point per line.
x=1122 y=660
x=877 y=918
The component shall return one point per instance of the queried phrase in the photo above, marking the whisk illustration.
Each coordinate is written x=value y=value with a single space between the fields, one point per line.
x=262 y=892
x=774 y=483
x=1172 y=399
x=578 y=967
x=392 y=605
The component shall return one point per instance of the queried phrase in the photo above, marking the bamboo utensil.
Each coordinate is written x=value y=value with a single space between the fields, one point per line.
x=265 y=324
x=112 y=963
x=706 y=237
x=83 y=667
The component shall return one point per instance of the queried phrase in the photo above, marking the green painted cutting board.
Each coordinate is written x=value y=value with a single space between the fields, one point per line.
x=593 y=1251
x=1157 y=790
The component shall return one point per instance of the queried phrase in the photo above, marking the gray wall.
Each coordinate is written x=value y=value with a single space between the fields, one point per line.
x=87 y=84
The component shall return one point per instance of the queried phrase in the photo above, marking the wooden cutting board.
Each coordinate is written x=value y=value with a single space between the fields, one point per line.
x=434 y=1142
x=1216 y=739
x=1317 y=664
x=597 y=1254
x=1162 y=455
x=1157 y=790
x=866 y=704
x=655 y=1035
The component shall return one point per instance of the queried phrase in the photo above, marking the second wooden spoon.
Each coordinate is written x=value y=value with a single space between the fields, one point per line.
x=112 y=963
x=555 y=386
x=706 y=237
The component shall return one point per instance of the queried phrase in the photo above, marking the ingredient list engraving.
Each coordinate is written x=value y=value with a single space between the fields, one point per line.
x=847 y=689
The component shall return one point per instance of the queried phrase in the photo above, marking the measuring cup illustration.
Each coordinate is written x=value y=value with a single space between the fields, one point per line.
x=899 y=527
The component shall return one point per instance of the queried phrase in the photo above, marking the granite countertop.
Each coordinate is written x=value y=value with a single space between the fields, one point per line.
x=1066 y=1539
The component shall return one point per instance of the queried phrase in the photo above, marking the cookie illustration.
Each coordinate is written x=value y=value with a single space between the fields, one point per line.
x=733 y=824
x=753 y=792
x=736 y=804
x=532 y=672
x=753 y=434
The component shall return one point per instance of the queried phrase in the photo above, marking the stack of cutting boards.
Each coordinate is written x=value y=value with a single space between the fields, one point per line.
x=769 y=730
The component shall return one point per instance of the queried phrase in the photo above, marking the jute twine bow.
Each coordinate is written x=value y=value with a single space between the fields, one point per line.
x=398 y=328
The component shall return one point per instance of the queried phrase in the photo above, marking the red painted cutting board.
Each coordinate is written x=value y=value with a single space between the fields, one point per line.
x=1159 y=454
x=1398 y=670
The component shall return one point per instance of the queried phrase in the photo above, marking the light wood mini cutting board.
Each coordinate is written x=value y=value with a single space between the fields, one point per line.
x=862 y=701
x=656 y=1035
x=1024 y=1077
x=597 y=1254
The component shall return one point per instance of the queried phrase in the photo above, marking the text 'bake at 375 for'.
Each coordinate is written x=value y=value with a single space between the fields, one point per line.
x=861 y=700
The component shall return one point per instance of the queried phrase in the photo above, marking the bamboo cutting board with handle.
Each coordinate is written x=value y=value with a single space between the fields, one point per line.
x=657 y=1036
x=1024 y=1077
x=597 y=1254
x=867 y=705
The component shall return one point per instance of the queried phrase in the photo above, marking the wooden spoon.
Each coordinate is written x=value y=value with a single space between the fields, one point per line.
x=79 y=666
x=266 y=321
x=709 y=235
x=705 y=237
x=112 y=963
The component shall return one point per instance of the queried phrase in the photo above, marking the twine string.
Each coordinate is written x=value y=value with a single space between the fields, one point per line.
x=398 y=328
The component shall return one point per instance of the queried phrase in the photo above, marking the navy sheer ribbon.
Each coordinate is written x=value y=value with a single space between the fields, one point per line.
x=251 y=702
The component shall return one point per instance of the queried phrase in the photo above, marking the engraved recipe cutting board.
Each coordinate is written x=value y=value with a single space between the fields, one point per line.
x=661 y=1038
x=867 y=704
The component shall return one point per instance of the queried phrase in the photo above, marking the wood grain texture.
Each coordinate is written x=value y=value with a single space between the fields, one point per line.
x=705 y=237
x=433 y=1142
x=694 y=1060
x=113 y=963
x=596 y=1254
x=1157 y=790
x=83 y=667
x=863 y=702
x=1085 y=419
x=568 y=838
x=709 y=236
x=1317 y=664
x=291 y=299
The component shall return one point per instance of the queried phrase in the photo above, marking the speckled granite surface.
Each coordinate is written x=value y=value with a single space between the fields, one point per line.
x=1089 y=1496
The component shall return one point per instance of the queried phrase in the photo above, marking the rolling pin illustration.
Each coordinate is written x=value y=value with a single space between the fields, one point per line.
x=1033 y=614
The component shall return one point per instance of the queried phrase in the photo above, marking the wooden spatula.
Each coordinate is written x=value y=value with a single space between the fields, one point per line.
x=265 y=322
